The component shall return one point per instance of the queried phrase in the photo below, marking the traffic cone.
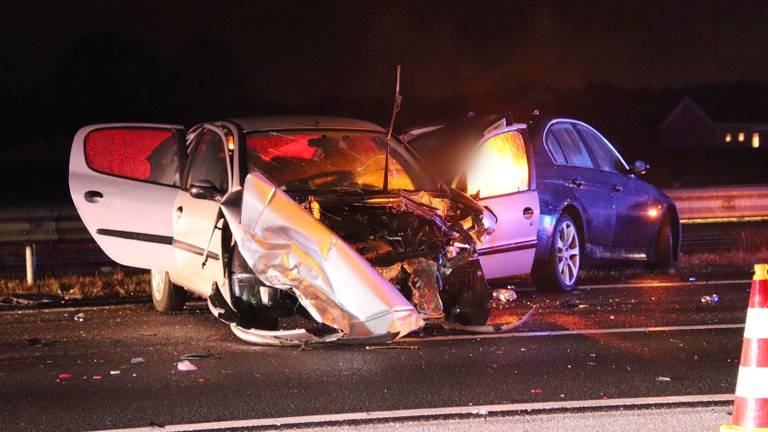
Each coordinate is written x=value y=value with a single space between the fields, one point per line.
x=750 y=407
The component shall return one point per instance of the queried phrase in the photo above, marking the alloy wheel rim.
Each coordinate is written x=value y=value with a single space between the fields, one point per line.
x=568 y=256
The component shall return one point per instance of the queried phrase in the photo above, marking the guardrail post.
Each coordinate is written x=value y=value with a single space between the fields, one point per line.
x=30 y=260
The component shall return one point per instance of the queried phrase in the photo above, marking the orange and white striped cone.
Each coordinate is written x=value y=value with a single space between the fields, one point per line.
x=750 y=407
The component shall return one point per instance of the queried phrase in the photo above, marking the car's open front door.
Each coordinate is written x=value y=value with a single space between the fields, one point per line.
x=500 y=175
x=124 y=179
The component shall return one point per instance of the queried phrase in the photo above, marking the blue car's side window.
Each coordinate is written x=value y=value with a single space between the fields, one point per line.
x=571 y=144
x=605 y=158
x=555 y=150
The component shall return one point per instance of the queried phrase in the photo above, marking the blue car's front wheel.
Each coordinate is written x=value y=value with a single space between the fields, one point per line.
x=560 y=271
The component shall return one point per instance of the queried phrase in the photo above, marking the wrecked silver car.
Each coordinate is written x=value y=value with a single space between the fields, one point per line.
x=295 y=230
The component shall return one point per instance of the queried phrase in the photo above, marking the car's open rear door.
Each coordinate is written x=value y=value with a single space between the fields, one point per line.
x=124 y=179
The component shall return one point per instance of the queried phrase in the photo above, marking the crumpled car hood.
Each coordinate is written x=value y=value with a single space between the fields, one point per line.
x=288 y=249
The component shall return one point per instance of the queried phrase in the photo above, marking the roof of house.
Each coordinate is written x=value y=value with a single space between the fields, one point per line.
x=733 y=104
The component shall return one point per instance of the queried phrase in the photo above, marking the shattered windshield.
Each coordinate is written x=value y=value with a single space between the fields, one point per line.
x=332 y=160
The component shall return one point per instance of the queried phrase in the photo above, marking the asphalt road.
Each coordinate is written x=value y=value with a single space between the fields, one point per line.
x=598 y=344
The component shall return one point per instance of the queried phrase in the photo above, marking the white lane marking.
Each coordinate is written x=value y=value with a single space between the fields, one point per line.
x=752 y=382
x=756 y=326
x=432 y=412
x=572 y=332
x=654 y=284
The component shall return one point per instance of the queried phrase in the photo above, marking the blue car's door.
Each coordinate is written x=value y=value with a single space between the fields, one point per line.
x=576 y=170
x=632 y=221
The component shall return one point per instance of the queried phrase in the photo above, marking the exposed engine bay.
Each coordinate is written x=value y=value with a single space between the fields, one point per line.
x=353 y=265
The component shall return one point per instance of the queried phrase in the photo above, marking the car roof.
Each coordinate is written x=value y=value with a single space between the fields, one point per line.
x=255 y=124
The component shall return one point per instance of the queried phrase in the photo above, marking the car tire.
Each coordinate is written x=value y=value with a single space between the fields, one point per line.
x=663 y=254
x=561 y=270
x=166 y=296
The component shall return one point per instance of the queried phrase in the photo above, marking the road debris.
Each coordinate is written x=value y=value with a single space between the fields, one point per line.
x=97 y=377
x=194 y=356
x=186 y=366
x=710 y=299
x=536 y=390
x=63 y=376
x=114 y=372
x=480 y=412
x=36 y=342
x=505 y=295
x=663 y=379
x=381 y=347
x=137 y=360
x=75 y=315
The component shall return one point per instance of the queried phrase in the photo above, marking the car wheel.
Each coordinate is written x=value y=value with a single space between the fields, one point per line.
x=166 y=296
x=560 y=271
x=663 y=255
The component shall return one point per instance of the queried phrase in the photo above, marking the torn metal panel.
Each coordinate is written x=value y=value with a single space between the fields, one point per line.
x=295 y=337
x=423 y=278
x=288 y=249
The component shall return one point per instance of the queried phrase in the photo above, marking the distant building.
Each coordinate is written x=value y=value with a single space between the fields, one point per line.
x=711 y=123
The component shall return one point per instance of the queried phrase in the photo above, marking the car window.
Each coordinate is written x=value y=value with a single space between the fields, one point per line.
x=208 y=161
x=151 y=155
x=555 y=150
x=500 y=167
x=572 y=146
x=331 y=160
x=602 y=154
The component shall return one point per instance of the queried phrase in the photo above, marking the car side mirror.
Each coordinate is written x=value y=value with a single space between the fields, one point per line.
x=204 y=189
x=640 y=167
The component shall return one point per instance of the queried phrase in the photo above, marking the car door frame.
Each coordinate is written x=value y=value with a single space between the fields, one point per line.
x=591 y=217
x=197 y=220
x=510 y=258
x=145 y=242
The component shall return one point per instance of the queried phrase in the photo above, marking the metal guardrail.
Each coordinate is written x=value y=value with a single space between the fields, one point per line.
x=721 y=203
x=42 y=224
x=61 y=239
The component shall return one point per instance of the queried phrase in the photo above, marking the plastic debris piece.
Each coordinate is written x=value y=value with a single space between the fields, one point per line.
x=710 y=299
x=504 y=295
x=35 y=342
x=64 y=376
x=186 y=366
x=97 y=377
x=194 y=356
x=75 y=315
x=114 y=372
x=137 y=360
x=663 y=379
x=404 y=347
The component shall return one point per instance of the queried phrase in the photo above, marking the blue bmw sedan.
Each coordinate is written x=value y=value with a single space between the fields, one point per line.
x=564 y=197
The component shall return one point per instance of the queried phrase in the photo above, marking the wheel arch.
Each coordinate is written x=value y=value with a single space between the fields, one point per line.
x=677 y=235
x=546 y=230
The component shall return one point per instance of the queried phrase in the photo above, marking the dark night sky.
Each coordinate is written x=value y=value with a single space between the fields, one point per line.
x=286 y=51
x=67 y=64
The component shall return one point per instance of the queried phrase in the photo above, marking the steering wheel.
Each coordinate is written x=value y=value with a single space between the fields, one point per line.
x=335 y=178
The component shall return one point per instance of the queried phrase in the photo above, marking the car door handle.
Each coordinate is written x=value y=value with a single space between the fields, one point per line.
x=617 y=188
x=577 y=182
x=93 y=196
x=179 y=212
x=528 y=213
